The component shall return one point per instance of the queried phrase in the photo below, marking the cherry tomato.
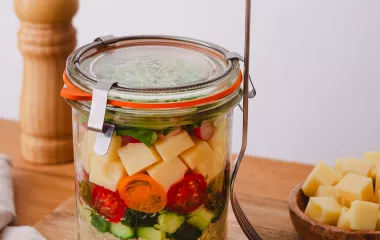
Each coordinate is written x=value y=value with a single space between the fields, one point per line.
x=188 y=194
x=141 y=193
x=108 y=204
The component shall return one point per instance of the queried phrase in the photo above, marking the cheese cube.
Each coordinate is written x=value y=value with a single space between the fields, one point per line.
x=167 y=173
x=373 y=157
x=378 y=196
x=374 y=171
x=377 y=183
x=343 y=202
x=353 y=165
x=219 y=139
x=86 y=149
x=323 y=209
x=355 y=187
x=212 y=167
x=363 y=215
x=106 y=173
x=171 y=147
x=137 y=157
x=344 y=218
x=378 y=221
x=196 y=155
x=326 y=191
x=322 y=174
x=107 y=170
x=221 y=121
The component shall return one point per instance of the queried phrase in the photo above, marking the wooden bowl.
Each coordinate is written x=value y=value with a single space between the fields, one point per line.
x=309 y=229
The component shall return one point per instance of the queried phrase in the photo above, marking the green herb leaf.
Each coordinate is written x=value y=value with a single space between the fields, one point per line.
x=148 y=137
x=100 y=223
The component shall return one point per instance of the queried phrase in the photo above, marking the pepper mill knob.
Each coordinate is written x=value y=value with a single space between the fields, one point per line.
x=45 y=39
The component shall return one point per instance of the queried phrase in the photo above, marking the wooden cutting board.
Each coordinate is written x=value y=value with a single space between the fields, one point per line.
x=262 y=188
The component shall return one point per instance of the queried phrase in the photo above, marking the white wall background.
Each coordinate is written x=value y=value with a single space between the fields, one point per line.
x=316 y=65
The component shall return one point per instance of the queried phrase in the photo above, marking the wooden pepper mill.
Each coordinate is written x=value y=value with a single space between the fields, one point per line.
x=46 y=38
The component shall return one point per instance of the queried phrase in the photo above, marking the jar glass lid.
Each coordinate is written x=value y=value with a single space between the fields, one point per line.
x=153 y=66
x=152 y=69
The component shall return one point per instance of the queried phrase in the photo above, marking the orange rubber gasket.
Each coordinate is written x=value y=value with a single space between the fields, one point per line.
x=72 y=92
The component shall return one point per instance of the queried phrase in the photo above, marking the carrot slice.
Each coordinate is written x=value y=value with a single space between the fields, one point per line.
x=141 y=193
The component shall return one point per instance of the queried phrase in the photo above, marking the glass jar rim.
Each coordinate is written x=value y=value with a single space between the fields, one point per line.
x=79 y=85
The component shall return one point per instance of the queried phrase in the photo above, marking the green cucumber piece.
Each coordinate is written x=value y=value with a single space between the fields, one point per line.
x=84 y=212
x=201 y=219
x=170 y=222
x=150 y=233
x=100 y=223
x=187 y=232
x=121 y=231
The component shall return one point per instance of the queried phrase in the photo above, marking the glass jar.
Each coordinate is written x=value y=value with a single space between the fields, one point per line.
x=152 y=121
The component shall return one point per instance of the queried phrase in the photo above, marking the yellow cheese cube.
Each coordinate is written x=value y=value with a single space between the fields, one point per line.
x=137 y=157
x=343 y=202
x=344 y=218
x=212 y=167
x=84 y=156
x=196 y=155
x=106 y=173
x=355 y=187
x=377 y=183
x=363 y=215
x=353 y=165
x=221 y=121
x=322 y=174
x=378 y=196
x=323 y=209
x=326 y=191
x=168 y=172
x=219 y=139
x=373 y=157
x=171 y=147
x=339 y=162
x=378 y=222
x=374 y=171
x=107 y=170
x=86 y=149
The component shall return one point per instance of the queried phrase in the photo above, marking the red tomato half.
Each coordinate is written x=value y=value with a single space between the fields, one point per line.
x=188 y=194
x=108 y=204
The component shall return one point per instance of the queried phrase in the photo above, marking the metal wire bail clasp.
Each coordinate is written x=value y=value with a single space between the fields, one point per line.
x=97 y=113
x=252 y=91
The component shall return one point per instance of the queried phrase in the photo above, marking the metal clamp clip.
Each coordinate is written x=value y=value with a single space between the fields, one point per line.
x=96 y=119
x=252 y=91
x=106 y=40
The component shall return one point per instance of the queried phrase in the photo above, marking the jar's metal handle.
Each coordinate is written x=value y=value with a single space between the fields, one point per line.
x=247 y=228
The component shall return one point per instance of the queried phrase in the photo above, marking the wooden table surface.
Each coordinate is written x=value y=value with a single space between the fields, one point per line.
x=40 y=189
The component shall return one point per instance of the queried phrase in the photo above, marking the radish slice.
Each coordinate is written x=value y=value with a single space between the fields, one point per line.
x=127 y=139
x=205 y=131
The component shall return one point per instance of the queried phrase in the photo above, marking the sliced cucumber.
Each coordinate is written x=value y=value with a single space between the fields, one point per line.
x=187 y=232
x=149 y=233
x=100 y=223
x=121 y=231
x=84 y=212
x=170 y=222
x=201 y=219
